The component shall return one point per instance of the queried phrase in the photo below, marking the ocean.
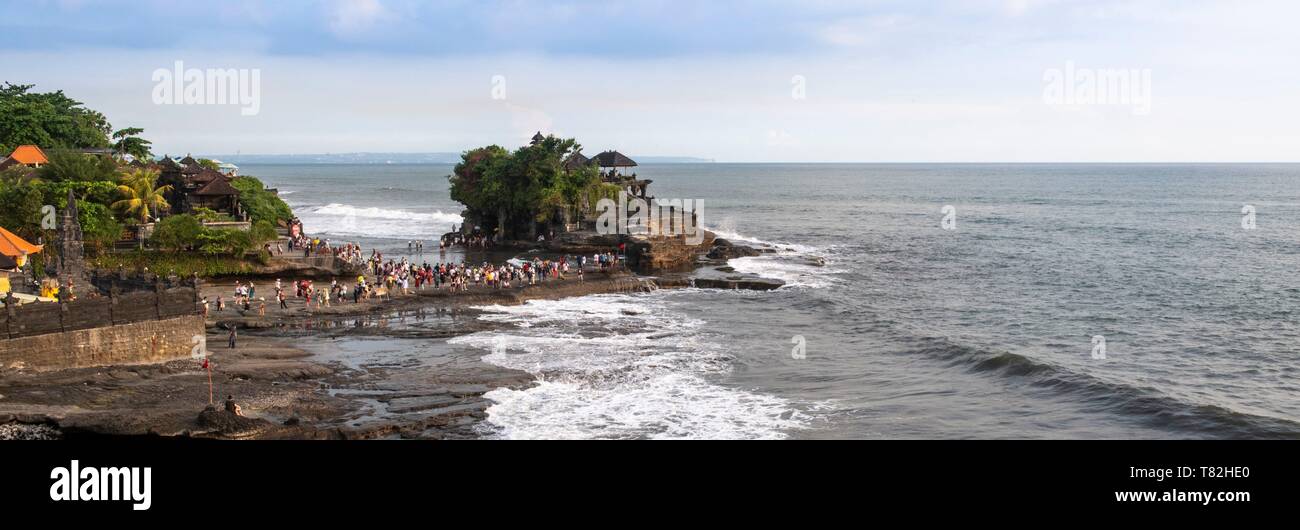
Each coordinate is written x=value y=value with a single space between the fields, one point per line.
x=1048 y=301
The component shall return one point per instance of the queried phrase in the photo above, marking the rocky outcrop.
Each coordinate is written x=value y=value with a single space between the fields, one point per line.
x=656 y=254
x=724 y=250
x=753 y=284
x=230 y=425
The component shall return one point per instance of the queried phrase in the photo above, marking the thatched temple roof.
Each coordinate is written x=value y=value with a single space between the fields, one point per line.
x=576 y=161
x=613 y=159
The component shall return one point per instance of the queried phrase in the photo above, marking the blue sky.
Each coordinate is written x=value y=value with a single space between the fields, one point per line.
x=959 y=80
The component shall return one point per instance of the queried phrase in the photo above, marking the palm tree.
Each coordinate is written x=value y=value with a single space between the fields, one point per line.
x=142 y=196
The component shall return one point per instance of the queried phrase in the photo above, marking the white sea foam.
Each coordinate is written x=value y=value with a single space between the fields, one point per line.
x=348 y=220
x=730 y=234
x=619 y=366
x=791 y=263
x=793 y=270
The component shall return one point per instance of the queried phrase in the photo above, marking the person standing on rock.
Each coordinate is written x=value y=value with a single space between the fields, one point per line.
x=233 y=407
x=233 y=336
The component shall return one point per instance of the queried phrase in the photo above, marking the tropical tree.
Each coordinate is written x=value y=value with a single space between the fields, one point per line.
x=513 y=191
x=71 y=166
x=100 y=230
x=49 y=119
x=142 y=194
x=128 y=142
x=261 y=204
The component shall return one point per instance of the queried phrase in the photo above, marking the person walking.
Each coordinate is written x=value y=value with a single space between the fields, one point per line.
x=233 y=336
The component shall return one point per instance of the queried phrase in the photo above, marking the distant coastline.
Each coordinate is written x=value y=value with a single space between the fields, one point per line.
x=403 y=158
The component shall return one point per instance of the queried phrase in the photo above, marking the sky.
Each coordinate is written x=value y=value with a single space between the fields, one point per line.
x=734 y=81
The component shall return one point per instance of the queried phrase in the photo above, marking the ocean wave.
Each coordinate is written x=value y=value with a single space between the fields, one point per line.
x=1147 y=406
x=619 y=366
x=792 y=270
x=789 y=263
x=789 y=248
x=347 y=220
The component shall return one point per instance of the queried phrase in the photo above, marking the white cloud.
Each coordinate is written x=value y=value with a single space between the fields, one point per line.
x=350 y=17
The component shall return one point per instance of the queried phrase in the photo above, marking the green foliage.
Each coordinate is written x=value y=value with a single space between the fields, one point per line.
x=71 y=166
x=208 y=163
x=48 y=119
x=263 y=232
x=181 y=232
x=18 y=174
x=141 y=196
x=209 y=215
x=476 y=181
x=176 y=232
x=128 y=142
x=37 y=263
x=99 y=229
x=260 y=204
x=20 y=210
x=527 y=185
x=184 y=265
x=56 y=193
x=220 y=241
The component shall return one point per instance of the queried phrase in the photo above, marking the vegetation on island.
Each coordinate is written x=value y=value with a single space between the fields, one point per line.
x=514 y=193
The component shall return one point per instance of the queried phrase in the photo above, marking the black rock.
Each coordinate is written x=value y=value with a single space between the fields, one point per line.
x=723 y=249
x=230 y=424
x=754 y=284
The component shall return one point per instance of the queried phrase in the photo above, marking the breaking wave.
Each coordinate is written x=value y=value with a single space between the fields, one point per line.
x=619 y=366
x=347 y=220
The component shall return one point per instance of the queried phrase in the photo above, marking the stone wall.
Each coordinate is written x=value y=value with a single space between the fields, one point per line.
x=18 y=321
x=147 y=342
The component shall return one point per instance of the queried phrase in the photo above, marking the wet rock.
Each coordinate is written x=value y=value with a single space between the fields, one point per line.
x=21 y=431
x=724 y=249
x=230 y=424
x=421 y=403
x=754 y=284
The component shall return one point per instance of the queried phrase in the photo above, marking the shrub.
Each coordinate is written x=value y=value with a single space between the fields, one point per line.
x=260 y=204
x=99 y=228
x=177 y=232
x=183 y=265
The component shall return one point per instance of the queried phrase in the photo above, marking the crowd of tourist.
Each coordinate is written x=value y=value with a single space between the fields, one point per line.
x=388 y=277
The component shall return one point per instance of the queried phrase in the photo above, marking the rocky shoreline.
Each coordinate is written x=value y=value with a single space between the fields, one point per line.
x=287 y=386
